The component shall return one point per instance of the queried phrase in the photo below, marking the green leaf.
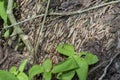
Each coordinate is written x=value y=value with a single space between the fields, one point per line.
x=36 y=69
x=67 y=65
x=66 y=75
x=4 y=75
x=13 y=70
x=91 y=58
x=66 y=49
x=83 y=53
x=47 y=65
x=7 y=34
x=22 y=65
x=3 y=13
x=22 y=76
x=47 y=76
x=82 y=72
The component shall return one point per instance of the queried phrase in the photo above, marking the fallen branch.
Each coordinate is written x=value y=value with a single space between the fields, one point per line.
x=17 y=29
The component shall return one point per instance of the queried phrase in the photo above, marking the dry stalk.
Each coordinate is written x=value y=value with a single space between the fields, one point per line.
x=41 y=29
x=17 y=29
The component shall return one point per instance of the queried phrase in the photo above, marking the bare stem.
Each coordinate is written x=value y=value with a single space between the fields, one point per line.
x=17 y=28
x=42 y=26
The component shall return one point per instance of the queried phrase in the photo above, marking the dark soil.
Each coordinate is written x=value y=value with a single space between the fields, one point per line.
x=96 y=31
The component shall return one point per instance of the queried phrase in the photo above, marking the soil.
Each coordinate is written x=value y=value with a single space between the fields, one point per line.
x=96 y=31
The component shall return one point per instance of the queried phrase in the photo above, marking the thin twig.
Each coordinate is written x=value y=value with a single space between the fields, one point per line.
x=98 y=66
x=106 y=68
x=24 y=21
x=5 y=57
x=17 y=29
x=85 y=10
x=66 y=13
x=42 y=26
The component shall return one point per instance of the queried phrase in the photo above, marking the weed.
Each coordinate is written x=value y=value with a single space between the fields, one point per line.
x=75 y=63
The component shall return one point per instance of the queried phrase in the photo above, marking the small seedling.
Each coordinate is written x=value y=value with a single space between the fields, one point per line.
x=14 y=73
x=20 y=72
x=45 y=70
x=75 y=63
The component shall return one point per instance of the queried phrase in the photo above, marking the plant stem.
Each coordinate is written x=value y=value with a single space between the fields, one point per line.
x=17 y=29
x=42 y=26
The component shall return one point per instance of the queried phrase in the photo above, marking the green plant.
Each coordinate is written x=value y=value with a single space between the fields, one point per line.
x=3 y=15
x=75 y=63
x=45 y=70
x=20 y=72
x=14 y=73
x=4 y=75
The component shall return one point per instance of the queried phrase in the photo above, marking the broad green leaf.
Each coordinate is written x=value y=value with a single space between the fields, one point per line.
x=66 y=75
x=3 y=13
x=7 y=34
x=22 y=76
x=68 y=64
x=91 y=58
x=66 y=49
x=36 y=69
x=47 y=76
x=13 y=70
x=82 y=72
x=4 y=75
x=47 y=65
x=22 y=65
